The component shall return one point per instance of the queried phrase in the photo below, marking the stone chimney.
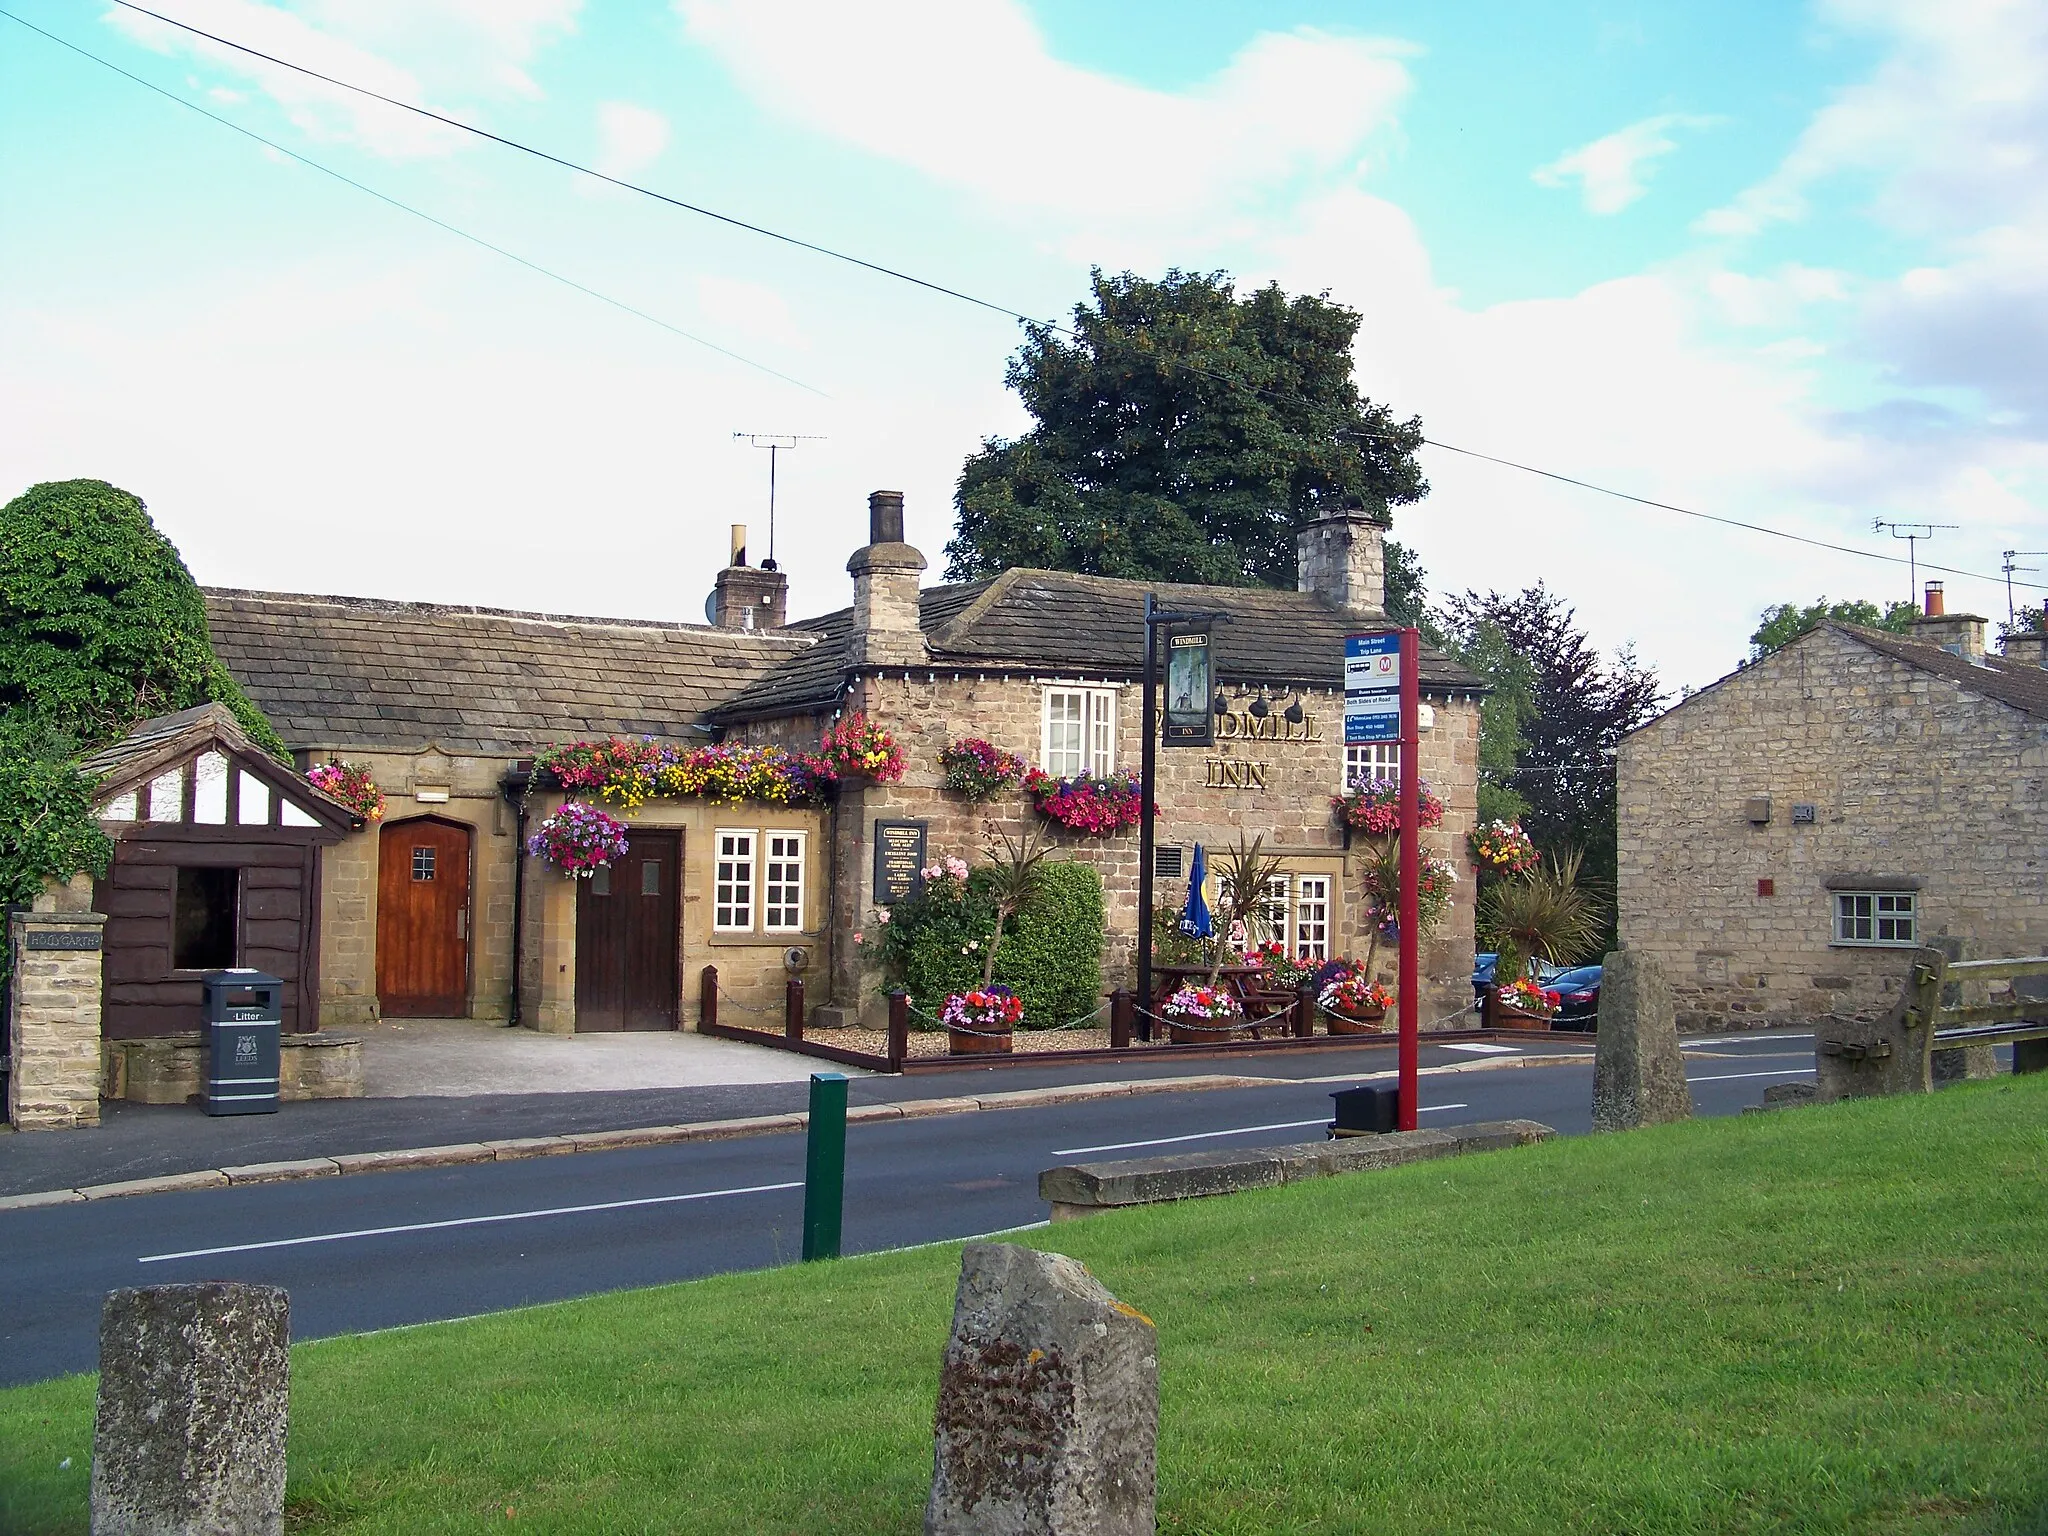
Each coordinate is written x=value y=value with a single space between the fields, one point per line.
x=2026 y=647
x=749 y=596
x=1342 y=559
x=886 y=631
x=1960 y=634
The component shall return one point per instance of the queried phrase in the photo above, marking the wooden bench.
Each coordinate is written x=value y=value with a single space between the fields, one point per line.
x=1897 y=1054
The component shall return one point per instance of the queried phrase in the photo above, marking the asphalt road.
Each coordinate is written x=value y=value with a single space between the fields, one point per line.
x=381 y=1250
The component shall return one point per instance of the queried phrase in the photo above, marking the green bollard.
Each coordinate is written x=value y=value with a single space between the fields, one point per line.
x=825 y=1166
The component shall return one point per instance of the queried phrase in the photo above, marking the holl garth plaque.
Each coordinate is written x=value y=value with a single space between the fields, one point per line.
x=899 y=857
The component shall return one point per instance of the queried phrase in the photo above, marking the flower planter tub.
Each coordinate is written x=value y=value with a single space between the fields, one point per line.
x=1369 y=1022
x=1202 y=1034
x=1506 y=1017
x=960 y=1043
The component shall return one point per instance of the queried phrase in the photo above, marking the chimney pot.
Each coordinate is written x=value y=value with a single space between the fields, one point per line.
x=1934 y=603
x=885 y=517
x=738 y=556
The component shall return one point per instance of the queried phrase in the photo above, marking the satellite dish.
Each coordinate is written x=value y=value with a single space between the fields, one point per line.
x=796 y=958
x=711 y=608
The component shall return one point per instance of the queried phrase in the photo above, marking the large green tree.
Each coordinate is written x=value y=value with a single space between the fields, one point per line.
x=1782 y=623
x=1182 y=434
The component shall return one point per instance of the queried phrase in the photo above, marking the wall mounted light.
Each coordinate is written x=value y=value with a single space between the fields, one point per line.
x=1222 y=703
x=1295 y=713
x=1260 y=708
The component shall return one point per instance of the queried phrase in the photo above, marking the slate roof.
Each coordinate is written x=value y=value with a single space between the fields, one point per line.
x=159 y=743
x=351 y=672
x=2020 y=684
x=1060 y=622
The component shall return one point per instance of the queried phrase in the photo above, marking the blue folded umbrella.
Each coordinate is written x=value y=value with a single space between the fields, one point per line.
x=1194 y=917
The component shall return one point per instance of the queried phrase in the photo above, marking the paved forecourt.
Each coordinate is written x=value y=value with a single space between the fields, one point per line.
x=409 y=1247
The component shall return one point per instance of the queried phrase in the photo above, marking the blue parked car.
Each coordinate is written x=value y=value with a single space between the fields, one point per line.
x=1579 y=998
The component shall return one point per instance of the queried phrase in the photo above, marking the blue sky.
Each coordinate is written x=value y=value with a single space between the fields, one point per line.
x=1776 y=262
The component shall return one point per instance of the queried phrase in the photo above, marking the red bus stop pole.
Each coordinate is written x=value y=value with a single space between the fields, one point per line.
x=1411 y=873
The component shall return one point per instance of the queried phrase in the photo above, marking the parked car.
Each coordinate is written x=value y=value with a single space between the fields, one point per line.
x=1482 y=972
x=1578 y=998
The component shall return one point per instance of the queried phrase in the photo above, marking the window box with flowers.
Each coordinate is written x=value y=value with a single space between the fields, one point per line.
x=1100 y=806
x=351 y=784
x=579 y=839
x=1373 y=807
x=980 y=771
x=856 y=748
x=1201 y=1015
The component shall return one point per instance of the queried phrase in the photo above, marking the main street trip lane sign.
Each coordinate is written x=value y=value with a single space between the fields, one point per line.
x=1372 y=687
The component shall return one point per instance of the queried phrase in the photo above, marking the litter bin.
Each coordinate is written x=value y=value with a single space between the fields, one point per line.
x=1371 y=1110
x=244 y=1014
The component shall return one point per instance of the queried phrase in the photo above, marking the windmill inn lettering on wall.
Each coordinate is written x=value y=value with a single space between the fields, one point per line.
x=1243 y=725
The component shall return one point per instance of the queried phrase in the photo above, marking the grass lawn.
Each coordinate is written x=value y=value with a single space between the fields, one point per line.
x=1825 y=1319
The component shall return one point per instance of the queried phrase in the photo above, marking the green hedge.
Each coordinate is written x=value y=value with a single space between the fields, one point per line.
x=1051 y=954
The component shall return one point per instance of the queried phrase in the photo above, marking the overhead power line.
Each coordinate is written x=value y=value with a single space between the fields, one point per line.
x=885 y=270
x=438 y=223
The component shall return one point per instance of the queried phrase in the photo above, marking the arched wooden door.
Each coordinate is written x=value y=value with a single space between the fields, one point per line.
x=423 y=919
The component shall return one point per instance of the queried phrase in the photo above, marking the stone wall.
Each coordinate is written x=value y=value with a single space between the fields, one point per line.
x=1912 y=779
x=53 y=1013
x=1298 y=770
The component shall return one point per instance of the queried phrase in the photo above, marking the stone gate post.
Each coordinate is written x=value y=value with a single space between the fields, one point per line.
x=53 y=1009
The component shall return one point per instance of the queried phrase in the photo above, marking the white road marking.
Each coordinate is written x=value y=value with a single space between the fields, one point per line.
x=1478 y=1049
x=1760 y=1034
x=464 y=1221
x=1431 y=1108
x=1736 y=1077
x=1167 y=1141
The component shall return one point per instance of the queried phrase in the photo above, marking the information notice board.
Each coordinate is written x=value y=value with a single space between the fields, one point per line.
x=899 y=856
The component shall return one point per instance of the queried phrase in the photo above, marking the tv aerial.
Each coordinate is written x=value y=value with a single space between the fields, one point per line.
x=2011 y=613
x=1912 y=533
x=776 y=443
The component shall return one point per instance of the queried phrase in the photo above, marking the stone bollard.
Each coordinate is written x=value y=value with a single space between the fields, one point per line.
x=1638 y=1073
x=189 y=1437
x=1048 y=1416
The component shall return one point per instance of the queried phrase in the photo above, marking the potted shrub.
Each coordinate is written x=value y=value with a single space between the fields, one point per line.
x=1546 y=914
x=1199 y=1015
x=1354 y=1004
x=978 y=1023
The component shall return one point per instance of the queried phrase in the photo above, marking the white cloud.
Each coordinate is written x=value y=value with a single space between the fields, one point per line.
x=967 y=92
x=463 y=47
x=738 y=308
x=1614 y=171
x=630 y=138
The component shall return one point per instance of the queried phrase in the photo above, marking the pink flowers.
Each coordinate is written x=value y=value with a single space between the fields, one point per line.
x=1353 y=995
x=351 y=784
x=994 y=1012
x=854 y=745
x=579 y=839
x=1373 y=806
x=980 y=771
x=1102 y=806
x=1197 y=1004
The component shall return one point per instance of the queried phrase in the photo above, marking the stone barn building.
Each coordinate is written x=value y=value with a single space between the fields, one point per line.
x=1787 y=833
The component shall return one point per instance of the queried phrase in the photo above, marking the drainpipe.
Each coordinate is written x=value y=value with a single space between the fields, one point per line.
x=514 y=786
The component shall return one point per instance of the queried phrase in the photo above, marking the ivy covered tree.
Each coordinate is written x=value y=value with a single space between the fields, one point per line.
x=1782 y=623
x=101 y=626
x=1183 y=433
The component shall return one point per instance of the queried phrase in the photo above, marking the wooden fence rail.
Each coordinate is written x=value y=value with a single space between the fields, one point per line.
x=1896 y=1055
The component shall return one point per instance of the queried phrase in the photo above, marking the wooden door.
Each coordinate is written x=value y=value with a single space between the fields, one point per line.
x=626 y=927
x=423 y=919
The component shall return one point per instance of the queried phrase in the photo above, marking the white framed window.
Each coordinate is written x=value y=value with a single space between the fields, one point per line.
x=1078 y=734
x=1311 y=918
x=732 y=885
x=1877 y=918
x=1369 y=760
x=782 y=883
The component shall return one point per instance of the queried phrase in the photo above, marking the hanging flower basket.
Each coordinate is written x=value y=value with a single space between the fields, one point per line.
x=1434 y=880
x=978 y=1023
x=1373 y=806
x=980 y=771
x=1101 y=807
x=1353 y=1005
x=579 y=839
x=854 y=748
x=1201 y=1015
x=351 y=784
x=1502 y=848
